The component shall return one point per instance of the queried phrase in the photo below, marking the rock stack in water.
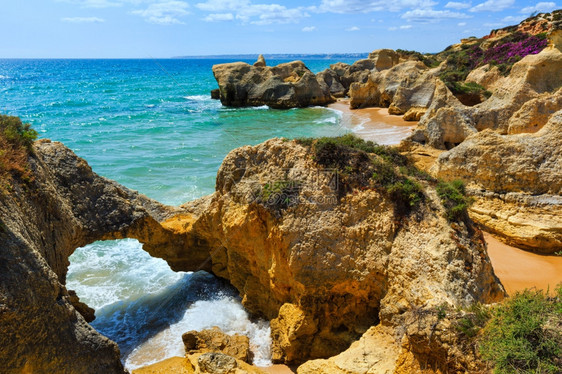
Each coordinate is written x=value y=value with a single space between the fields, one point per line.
x=289 y=85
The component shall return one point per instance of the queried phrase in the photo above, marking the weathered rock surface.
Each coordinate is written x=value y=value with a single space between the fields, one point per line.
x=419 y=341
x=42 y=221
x=521 y=102
x=214 y=340
x=289 y=85
x=400 y=88
x=325 y=269
x=324 y=263
x=340 y=76
x=511 y=168
x=530 y=163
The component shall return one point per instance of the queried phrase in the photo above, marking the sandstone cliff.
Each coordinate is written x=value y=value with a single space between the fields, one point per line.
x=288 y=85
x=61 y=206
x=325 y=261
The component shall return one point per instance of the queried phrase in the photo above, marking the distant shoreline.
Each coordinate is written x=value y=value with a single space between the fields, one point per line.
x=281 y=56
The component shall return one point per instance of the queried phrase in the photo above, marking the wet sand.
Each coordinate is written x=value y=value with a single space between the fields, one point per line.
x=278 y=369
x=518 y=269
x=374 y=123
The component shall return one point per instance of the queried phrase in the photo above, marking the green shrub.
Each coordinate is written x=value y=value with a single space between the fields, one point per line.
x=524 y=334
x=16 y=140
x=474 y=320
x=17 y=133
x=454 y=199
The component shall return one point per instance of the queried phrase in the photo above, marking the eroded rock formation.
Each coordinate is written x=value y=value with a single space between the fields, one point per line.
x=521 y=102
x=65 y=206
x=324 y=262
x=327 y=267
x=288 y=85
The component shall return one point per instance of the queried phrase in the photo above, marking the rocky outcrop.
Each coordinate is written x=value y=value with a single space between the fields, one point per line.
x=403 y=87
x=419 y=341
x=62 y=206
x=510 y=168
x=530 y=163
x=200 y=363
x=521 y=102
x=260 y=63
x=326 y=266
x=324 y=261
x=340 y=76
x=214 y=340
x=289 y=85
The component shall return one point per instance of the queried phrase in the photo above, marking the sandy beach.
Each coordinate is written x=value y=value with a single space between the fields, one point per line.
x=374 y=123
x=518 y=269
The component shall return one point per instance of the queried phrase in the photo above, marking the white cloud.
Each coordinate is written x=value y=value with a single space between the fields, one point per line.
x=258 y=14
x=543 y=7
x=354 y=28
x=222 y=5
x=492 y=6
x=362 y=6
x=461 y=24
x=164 y=13
x=83 y=20
x=94 y=3
x=309 y=28
x=430 y=15
x=512 y=19
x=214 y=17
x=405 y=27
x=393 y=28
x=457 y=5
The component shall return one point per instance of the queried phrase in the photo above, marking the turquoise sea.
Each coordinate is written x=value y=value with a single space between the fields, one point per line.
x=150 y=125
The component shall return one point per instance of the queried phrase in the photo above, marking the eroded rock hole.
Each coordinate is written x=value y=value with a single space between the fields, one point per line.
x=145 y=307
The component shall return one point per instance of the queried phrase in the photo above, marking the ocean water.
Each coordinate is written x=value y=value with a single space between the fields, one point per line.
x=151 y=125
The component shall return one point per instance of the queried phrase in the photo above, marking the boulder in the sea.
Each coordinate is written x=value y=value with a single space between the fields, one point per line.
x=288 y=85
x=215 y=94
x=214 y=340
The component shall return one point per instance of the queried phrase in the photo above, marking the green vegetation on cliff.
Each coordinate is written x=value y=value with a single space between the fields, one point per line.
x=524 y=334
x=16 y=141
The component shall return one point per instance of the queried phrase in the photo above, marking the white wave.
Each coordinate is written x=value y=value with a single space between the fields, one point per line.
x=103 y=273
x=4 y=77
x=225 y=312
x=198 y=97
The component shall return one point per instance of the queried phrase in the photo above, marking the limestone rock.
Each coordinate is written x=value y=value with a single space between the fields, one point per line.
x=384 y=58
x=535 y=79
x=217 y=363
x=418 y=342
x=530 y=163
x=86 y=312
x=44 y=220
x=215 y=94
x=214 y=340
x=534 y=114
x=330 y=265
x=283 y=86
x=530 y=222
x=406 y=85
x=331 y=79
x=176 y=365
x=486 y=76
x=414 y=114
x=260 y=62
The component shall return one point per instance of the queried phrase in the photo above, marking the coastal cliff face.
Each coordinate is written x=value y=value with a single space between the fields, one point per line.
x=63 y=205
x=326 y=263
x=323 y=261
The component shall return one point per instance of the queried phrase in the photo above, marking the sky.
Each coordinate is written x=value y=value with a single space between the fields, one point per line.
x=168 y=28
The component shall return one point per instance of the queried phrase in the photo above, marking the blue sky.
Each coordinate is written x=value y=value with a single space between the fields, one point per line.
x=166 y=28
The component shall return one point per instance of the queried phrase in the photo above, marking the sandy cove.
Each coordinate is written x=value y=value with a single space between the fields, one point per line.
x=374 y=123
